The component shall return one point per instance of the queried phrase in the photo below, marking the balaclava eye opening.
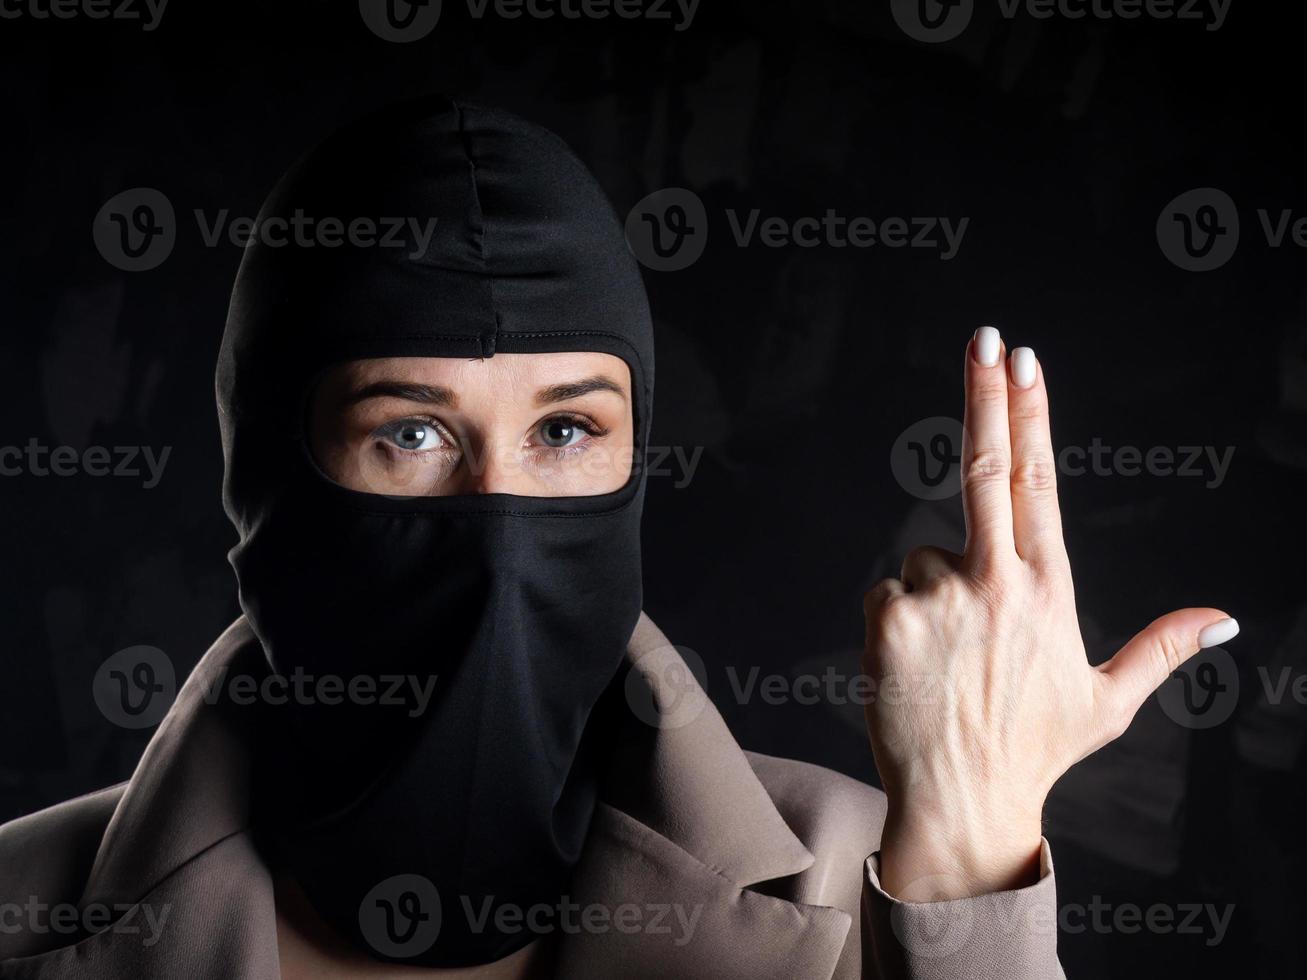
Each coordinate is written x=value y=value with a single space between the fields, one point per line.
x=490 y=627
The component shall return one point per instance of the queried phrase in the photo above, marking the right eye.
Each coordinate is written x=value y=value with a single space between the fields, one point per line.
x=412 y=435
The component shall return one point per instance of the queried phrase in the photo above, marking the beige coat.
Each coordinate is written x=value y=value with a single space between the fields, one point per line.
x=728 y=865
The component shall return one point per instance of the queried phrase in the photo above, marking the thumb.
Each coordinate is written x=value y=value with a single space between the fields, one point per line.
x=1157 y=651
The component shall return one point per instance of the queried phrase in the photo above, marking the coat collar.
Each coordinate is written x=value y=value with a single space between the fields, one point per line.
x=684 y=823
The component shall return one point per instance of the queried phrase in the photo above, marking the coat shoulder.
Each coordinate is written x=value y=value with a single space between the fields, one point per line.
x=49 y=853
x=837 y=818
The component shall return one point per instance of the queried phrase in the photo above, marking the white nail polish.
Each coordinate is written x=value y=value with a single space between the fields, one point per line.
x=1023 y=367
x=987 y=345
x=1218 y=633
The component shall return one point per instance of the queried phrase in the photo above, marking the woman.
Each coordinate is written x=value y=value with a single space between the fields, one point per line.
x=444 y=741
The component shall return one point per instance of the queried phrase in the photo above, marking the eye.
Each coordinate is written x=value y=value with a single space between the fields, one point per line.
x=558 y=433
x=413 y=435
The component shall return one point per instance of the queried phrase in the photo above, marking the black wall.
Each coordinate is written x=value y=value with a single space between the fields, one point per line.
x=1063 y=141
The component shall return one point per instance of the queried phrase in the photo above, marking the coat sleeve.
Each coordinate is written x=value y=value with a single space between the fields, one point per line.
x=1010 y=935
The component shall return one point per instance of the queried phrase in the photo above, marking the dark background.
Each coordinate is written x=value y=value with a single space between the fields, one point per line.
x=796 y=369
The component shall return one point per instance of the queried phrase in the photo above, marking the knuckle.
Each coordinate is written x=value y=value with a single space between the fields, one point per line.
x=1035 y=474
x=918 y=557
x=877 y=598
x=987 y=465
x=893 y=618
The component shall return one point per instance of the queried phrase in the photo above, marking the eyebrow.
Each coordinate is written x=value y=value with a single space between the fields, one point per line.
x=409 y=391
x=413 y=391
x=575 y=389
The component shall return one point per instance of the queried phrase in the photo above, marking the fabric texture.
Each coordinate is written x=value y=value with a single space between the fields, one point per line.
x=744 y=866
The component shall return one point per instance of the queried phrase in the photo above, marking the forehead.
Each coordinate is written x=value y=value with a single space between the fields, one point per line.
x=503 y=372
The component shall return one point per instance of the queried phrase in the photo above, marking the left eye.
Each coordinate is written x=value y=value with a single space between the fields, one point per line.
x=412 y=434
x=558 y=433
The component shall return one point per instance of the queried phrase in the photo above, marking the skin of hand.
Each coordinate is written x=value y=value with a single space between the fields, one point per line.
x=999 y=697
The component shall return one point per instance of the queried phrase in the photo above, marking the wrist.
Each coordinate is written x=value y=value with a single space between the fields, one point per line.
x=935 y=852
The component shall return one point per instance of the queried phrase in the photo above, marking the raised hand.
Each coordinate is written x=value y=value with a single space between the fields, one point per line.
x=990 y=641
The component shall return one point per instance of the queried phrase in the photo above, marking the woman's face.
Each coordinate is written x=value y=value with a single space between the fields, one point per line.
x=534 y=425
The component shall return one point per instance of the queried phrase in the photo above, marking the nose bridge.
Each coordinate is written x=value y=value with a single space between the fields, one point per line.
x=493 y=463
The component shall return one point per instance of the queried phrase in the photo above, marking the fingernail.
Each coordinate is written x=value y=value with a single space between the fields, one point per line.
x=1023 y=367
x=987 y=345
x=1218 y=633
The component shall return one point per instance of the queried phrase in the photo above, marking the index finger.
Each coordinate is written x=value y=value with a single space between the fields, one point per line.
x=986 y=450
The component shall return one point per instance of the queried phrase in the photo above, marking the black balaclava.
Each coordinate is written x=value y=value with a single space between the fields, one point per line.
x=520 y=607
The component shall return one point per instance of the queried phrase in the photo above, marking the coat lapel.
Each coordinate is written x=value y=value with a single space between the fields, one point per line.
x=662 y=889
x=176 y=866
x=684 y=829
